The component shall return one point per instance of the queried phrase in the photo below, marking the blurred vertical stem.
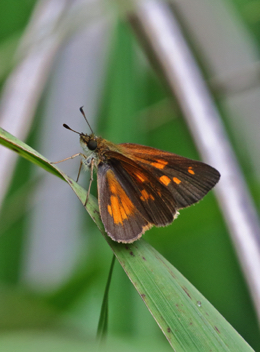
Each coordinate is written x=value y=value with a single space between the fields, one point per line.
x=103 y=318
x=160 y=34
x=24 y=86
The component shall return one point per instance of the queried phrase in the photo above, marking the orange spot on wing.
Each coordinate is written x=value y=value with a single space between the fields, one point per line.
x=165 y=180
x=146 y=195
x=113 y=187
x=121 y=206
x=109 y=209
x=115 y=205
x=127 y=207
x=159 y=164
x=190 y=170
x=176 y=180
x=141 y=177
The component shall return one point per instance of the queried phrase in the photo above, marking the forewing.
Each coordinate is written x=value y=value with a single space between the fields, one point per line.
x=187 y=180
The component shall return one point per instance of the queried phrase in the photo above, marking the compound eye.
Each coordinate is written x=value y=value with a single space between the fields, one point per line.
x=92 y=145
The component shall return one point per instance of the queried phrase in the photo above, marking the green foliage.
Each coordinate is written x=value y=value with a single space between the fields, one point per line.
x=197 y=243
x=185 y=317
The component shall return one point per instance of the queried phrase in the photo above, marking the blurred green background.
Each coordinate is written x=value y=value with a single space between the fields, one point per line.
x=53 y=261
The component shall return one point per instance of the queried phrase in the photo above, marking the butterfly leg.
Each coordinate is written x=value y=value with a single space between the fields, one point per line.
x=91 y=179
x=70 y=157
x=80 y=166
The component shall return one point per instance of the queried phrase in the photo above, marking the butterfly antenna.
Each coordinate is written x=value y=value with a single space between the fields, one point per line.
x=83 y=113
x=68 y=128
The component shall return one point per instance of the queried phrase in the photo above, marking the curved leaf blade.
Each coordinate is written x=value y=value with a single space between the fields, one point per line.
x=187 y=319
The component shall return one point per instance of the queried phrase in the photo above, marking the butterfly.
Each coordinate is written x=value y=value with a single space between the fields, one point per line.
x=139 y=186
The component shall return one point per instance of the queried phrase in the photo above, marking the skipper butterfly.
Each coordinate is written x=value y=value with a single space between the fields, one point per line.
x=140 y=187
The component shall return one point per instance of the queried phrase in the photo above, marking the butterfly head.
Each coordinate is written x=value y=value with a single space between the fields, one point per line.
x=88 y=141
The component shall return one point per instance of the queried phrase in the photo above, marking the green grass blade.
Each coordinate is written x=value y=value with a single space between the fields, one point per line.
x=11 y=142
x=103 y=319
x=187 y=319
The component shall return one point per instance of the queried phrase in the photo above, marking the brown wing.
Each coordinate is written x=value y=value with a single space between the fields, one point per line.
x=143 y=186
x=130 y=199
x=187 y=180
x=122 y=220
